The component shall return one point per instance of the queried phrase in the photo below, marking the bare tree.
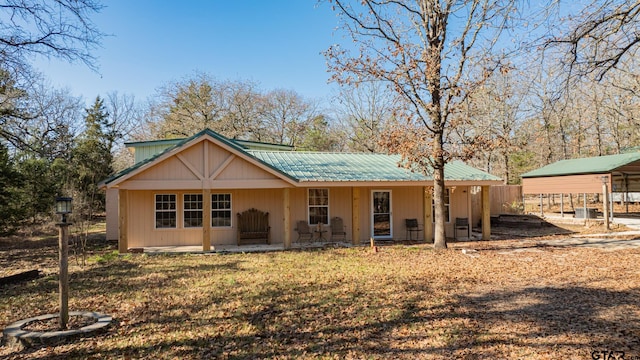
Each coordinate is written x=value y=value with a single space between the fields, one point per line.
x=56 y=118
x=186 y=107
x=61 y=29
x=494 y=112
x=37 y=118
x=365 y=112
x=241 y=102
x=600 y=38
x=285 y=116
x=428 y=52
x=125 y=120
x=235 y=109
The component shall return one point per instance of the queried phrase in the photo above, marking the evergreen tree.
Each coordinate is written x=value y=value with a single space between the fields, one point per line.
x=11 y=211
x=92 y=156
x=38 y=188
x=318 y=136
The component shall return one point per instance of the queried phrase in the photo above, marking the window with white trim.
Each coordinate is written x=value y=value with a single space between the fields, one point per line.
x=192 y=208
x=166 y=214
x=318 y=206
x=221 y=210
x=447 y=213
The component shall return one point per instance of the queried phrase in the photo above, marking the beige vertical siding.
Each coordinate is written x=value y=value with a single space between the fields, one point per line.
x=240 y=169
x=194 y=155
x=217 y=157
x=459 y=208
x=365 y=215
x=572 y=184
x=298 y=210
x=269 y=200
x=112 y=214
x=339 y=206
x=142 y=231
x=406 y=203
x=170 y=169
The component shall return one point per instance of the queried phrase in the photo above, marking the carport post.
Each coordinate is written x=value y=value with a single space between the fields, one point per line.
x=611 y=206
x=561 y=205
x=541 y=206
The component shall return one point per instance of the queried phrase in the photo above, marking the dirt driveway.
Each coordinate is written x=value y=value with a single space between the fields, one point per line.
x=625 y=235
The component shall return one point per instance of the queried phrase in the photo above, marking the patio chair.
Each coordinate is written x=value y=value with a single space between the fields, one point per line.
x=412 y=227
x=338 y=229
x=461 y=224
x=304 y=231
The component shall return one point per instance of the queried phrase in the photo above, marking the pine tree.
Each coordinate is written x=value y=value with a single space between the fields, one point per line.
x=92 y=156
x=11 y=211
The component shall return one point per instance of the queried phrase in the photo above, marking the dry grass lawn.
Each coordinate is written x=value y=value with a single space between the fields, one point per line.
x=510 y=299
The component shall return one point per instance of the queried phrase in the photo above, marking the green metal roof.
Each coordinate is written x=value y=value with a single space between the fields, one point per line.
x=338 y=167
x=328 y=167
x=591 y=165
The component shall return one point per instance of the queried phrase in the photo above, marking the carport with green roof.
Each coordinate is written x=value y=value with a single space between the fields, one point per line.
x=593 y=175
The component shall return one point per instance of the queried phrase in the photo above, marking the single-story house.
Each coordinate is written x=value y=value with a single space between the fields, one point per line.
x=185 y=192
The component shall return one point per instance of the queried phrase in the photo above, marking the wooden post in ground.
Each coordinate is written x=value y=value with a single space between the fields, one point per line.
x=63 y=254
x=541 y=206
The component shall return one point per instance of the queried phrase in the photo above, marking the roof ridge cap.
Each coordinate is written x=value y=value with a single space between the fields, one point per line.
x=318 y=152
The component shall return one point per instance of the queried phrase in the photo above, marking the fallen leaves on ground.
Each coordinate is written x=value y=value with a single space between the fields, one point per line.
x=512 y=299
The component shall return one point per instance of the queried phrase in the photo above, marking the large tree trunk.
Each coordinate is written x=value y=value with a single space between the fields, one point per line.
x=440 y=240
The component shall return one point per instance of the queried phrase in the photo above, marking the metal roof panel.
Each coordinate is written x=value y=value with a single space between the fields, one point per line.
x=590 y=165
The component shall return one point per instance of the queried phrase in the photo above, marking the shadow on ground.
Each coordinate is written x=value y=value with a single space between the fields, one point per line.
x=296 y=322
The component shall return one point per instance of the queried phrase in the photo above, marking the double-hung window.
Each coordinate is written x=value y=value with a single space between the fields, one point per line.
x=192 y=210
x=318 y=206
x=221 y=210
x=166 y=211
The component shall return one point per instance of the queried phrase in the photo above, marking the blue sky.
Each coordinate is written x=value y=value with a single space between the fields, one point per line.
x=276 y=43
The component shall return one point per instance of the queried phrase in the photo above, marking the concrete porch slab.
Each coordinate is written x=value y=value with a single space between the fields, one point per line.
x=195 y=249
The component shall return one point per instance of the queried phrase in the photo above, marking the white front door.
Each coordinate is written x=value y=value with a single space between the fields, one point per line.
x=381 y=216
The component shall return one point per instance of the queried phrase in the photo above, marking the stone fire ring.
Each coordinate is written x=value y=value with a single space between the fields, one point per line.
x=15 y=335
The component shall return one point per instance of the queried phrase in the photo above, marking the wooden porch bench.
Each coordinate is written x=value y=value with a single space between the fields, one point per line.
x=253 y=227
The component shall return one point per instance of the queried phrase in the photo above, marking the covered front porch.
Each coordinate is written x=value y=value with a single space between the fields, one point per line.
x=287 y=207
